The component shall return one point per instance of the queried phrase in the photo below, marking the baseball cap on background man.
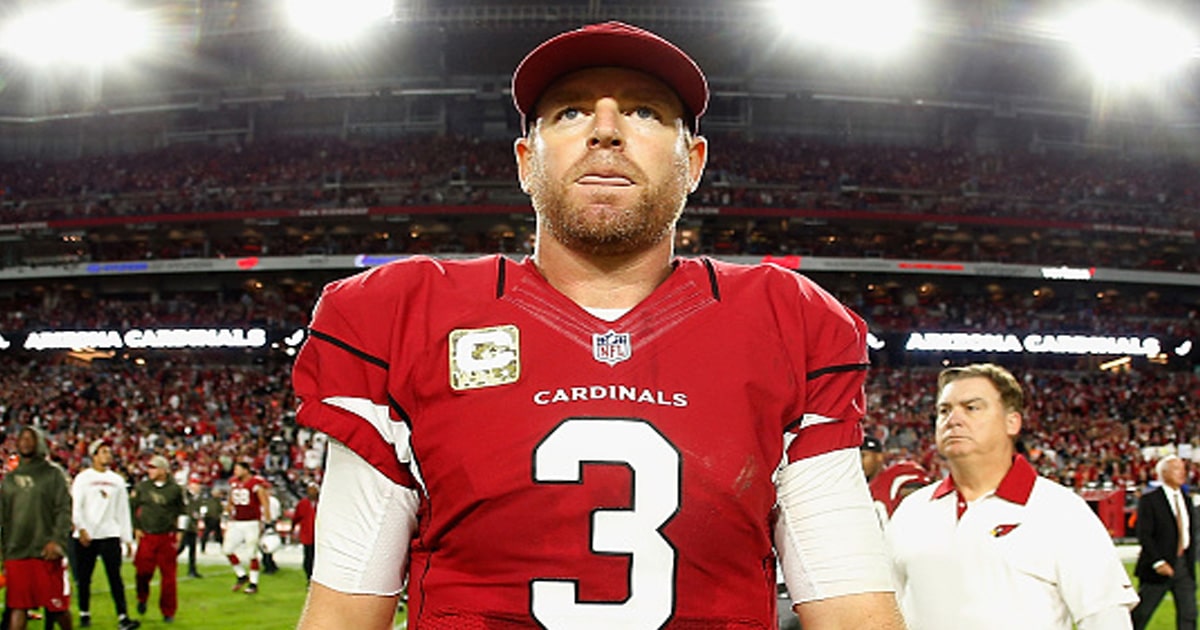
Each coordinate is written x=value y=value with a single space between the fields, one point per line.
x=95 y=446
x=610 y=44
x=158 y=461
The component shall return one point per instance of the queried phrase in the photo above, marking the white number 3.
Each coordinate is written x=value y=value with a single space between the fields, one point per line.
x=634 y=532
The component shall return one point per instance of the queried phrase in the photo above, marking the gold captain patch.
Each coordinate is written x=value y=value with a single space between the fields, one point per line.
x=485 y=357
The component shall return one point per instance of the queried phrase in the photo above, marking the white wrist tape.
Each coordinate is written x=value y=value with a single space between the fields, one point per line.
x=364 y=525
x=827 y=535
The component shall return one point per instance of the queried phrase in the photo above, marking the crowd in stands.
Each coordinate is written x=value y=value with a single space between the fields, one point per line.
x=888 y=307
x=1105 y=189
x=859 y=238
x=299 y=172
x=57 y=309
x=947 y=307
x=777 y=171
x=707 y=235
x=1036 y=191
x=202 y=416
x=1081 y=428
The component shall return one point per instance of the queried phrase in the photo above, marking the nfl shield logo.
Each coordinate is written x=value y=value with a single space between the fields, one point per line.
x=611 y=347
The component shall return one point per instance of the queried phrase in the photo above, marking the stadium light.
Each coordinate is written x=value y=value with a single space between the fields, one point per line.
x=873 y=27
x=79 y=33
x=1125 y=43
x=1116 y=364
x=333 y=22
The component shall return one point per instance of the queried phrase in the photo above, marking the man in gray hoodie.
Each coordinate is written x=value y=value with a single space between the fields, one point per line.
x=35 y=525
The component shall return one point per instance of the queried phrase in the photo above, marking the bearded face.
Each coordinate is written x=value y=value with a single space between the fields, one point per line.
x=608 y=221
x=608 y=163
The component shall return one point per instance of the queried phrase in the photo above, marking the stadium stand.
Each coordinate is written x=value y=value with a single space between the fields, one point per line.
x=276 y=180
x=777 y=197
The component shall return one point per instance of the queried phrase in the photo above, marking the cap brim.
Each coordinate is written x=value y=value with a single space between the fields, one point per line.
x=611 y=44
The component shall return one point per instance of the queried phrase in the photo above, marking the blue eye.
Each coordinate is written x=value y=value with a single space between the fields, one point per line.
x=569 y=113
x=645 y=113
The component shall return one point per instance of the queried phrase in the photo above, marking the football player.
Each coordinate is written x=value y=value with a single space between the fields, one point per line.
x=602 y=435
x=249 y=510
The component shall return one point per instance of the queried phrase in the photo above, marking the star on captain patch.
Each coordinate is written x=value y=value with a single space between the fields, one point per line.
x=484 y=357
x=611 y=347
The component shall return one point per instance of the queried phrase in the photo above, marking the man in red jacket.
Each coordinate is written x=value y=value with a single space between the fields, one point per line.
x=303 y=521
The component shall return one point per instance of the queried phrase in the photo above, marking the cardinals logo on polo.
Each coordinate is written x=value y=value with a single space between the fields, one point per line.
x=611 y=347
x=484 y=357
x=1004 y=530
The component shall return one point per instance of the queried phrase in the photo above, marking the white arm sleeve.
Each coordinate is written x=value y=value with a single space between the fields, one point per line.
x=827 y=535
x=1115 y=618
x=77 y=511
x=364 y=525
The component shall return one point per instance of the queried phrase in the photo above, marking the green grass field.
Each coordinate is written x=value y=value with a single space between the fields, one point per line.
x=207 y=603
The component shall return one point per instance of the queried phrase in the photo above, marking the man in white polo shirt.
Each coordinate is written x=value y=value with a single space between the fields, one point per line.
x=995 y=546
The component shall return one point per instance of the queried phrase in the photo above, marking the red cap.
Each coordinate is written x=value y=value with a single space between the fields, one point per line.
x=612 y=44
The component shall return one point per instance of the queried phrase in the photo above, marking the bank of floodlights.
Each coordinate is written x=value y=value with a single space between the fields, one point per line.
x=336 y=22
x=869 y=27
x=82 y=32
x=1128 y=43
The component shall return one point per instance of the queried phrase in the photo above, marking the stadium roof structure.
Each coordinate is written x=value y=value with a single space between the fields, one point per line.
x=1006 y=52
x=1005 y=70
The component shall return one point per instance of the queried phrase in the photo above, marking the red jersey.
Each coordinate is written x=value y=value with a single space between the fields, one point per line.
x=243 y=495
x=304 y=520
x=572 y=468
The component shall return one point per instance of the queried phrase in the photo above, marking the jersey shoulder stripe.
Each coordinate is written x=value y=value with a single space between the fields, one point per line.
x=835 y=369
x=348 y=348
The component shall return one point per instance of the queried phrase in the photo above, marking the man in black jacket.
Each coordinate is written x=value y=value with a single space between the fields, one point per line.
x=1167 y=561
